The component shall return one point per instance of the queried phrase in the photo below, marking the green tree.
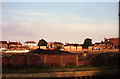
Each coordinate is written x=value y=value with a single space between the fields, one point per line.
x=87 y=42
x=42 y=42
x=58 y=47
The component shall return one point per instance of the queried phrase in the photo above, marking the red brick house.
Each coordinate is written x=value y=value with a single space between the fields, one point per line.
x=115 y=41
x=55 y=45
x=14 y=44
x=30 y=43
x=72 y=47
x=109 y=45
x=99 y=45
x=3 y=45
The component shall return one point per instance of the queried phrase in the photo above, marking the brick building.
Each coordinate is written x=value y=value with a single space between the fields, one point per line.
x=30 y=43
x=115 y=41
x=108 y=43
x=99 y=45
x=14 y=44
x=3 y=45
x=55 y=45
x=72 y=47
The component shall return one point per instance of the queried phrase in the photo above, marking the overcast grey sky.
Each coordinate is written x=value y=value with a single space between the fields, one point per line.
x=59 y=21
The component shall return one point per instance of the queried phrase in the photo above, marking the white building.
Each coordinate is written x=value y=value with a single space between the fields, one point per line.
x=30 y=43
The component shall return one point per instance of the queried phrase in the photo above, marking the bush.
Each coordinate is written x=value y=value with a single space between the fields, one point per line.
x=108 y=59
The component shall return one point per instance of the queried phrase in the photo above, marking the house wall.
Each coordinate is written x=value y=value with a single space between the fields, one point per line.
x=4 y=46
x=43 y=47
x=67 y=48
x=72 y=48
x=34 y=47
x=30 y=44
x=79 y=48
x=116 y=41
x=90 y=47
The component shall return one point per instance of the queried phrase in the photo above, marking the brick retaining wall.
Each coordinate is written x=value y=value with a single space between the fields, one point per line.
x=40 y=60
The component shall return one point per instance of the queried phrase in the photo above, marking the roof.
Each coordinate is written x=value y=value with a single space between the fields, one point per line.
x=112 y=38
x=57 y=43
x=108 y=42
x=15 y=43
x=30 y=42
x=3 y=42
x=69 y=45
x=73 y=45
x=99 y=43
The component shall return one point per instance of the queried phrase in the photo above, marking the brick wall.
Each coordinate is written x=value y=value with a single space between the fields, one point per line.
x=70 y=60
x=41 y=60
x=53 y=60
x=14 y=61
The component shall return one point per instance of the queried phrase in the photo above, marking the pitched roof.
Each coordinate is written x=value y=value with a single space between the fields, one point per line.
x=57 y=43
x=108 y=42
x=3 y=42
x=99 y=43
x=30 y=42
x=15 y=43
x=112 y=38
x=73 y=45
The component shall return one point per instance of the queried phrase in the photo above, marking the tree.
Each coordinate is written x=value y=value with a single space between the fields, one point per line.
x=58 y=47
x=76 y=45
x=87 y=42
x=42 y=42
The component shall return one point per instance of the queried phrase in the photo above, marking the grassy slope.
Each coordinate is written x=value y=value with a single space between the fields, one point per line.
x=54 y=69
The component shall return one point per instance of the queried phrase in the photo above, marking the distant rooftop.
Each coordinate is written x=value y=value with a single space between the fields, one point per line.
x=57 y=43
x=30 y=42
x=3 y=42
x=15 y=43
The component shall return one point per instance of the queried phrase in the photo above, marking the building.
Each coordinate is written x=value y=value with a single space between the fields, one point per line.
x=14 y=44
x=72 y=47
x=43 y=47
x=115 y=41
x=31 y=44
x=22 y=47
x=42 y=44
x=3 y=45
x=55 y=45
x=109 y=45
x=69 y=47
x=99 y=45
x=90 y=48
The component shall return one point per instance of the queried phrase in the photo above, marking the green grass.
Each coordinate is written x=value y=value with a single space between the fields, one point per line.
x=54 y=69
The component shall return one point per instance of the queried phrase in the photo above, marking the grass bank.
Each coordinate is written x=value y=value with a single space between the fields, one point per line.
x=13 y=70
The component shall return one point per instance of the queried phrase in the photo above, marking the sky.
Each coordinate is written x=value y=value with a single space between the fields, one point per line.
x=59 y=21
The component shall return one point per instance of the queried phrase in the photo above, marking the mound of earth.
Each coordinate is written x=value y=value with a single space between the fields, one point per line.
x=50 y=52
